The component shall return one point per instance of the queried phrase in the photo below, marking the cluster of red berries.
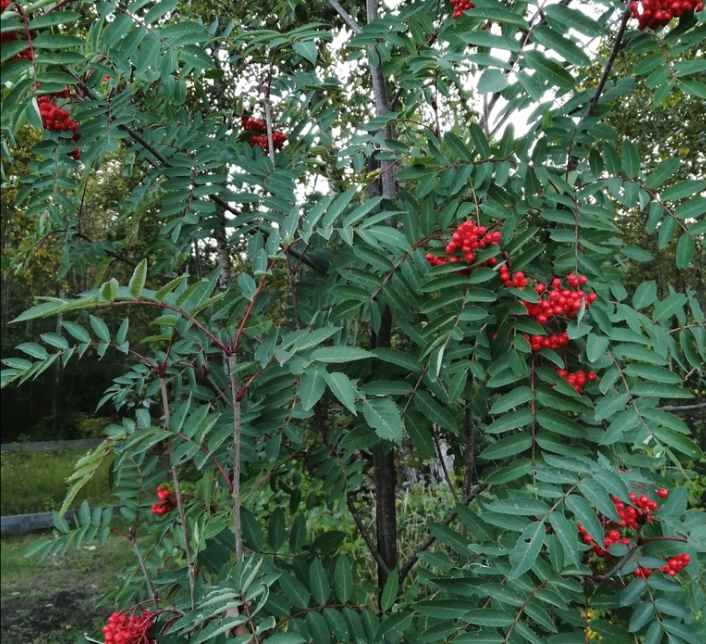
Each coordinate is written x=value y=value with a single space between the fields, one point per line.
x=250 y=124
x=555 y=341
x=11 y=36
x=166 y=499
x=658 y=13
x=631 y=517
x=645 y=507
x=467 y=238
x=128 y=629
x=613 y=537
x=460 y=6
x=577 y=379
x=57 y=119
x=517 y=280
x=673 y=566
x=557 y=301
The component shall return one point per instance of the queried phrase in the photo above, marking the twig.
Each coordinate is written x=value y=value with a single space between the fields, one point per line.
x=133 y=540
x=346 y=16
x=617 y=46
x=443 y=464
x=177 y=491
x=522 y=610
x=366 y=535
x=425 y=545
x=572 y=161
x=693 y=407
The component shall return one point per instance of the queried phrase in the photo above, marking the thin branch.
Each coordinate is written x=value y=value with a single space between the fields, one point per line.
x=617 y=46
x=110 y=253
x=366 y=535
x=237 y=528
x=572 y=161
x=522 y=610
x=177 y=491
x=132 y=537
x=693 y=407
x=426 y=544
x=443 y=464
x=268 y=110
x=346 y=16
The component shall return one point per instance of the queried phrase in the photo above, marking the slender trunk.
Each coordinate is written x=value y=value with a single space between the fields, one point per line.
x=385 y=483
x=383 y=462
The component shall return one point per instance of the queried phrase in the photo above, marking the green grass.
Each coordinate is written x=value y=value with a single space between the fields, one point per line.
x=36 y=482
x=54 y=601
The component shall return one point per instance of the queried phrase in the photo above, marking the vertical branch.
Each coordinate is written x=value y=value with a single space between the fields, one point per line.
x=237 y=529
x=469 y=460
x=177 y=491
x=387 y=176
x=268 y=120
x=366 y=536
x=442 y=462
x=132 y=537
x=383 y=462
x=385 y=482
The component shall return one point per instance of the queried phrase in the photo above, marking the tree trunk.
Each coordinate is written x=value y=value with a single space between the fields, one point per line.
x=383 y=462
x=385 y=482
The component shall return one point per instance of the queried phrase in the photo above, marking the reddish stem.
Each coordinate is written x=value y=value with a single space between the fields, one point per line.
x=649 y=539
x=249 y=311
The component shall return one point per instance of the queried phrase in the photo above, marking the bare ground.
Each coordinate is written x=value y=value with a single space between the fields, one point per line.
x=55 y=601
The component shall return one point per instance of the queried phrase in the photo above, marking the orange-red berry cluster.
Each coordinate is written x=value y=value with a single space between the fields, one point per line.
x=613 y=537
x=467 y=239
x=632 y=517
x=577 y=379
x=658 y=13
x=128 y=629
x=460 y=6
x=11 y=36
x=56 y=118
x=250 y=124
x=166 y=500
x=629 y=515
x=555 y=341
x=673 y=566
x=518 y=279
x=557 y=301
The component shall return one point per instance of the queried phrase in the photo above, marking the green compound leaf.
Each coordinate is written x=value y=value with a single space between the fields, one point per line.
x=527 y=548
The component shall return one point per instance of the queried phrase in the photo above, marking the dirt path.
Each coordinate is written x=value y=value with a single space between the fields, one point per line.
x=55 y=600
